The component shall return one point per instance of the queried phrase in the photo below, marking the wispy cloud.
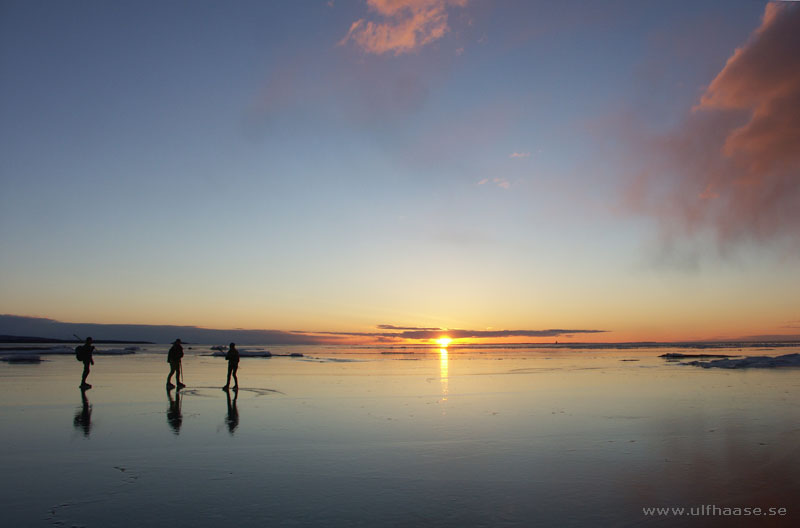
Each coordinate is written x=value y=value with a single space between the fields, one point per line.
x=502 y=182
x=520 y=155
x=478 y=334
x=405 y=25
x=731 y=169
x=393 y=327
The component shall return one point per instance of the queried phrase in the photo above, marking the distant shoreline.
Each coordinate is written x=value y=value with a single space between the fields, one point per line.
x=32 y=339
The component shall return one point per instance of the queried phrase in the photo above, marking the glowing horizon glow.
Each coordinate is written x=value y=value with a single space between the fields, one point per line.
x=444 y=341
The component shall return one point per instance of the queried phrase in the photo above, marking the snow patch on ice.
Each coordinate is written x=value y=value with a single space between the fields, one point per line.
x=787 y=360
x=245 y=353
x=115 y=351
x=22 y=358
x=65 y=351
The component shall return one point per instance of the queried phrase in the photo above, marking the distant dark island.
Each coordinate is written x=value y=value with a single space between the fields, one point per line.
x=31 y=339
x=677 y=355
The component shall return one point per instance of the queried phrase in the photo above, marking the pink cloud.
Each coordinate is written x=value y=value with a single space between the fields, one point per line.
x=502 y=182
x=520 y=155
x=732 y=168
x=405 y=26
x=763 y=78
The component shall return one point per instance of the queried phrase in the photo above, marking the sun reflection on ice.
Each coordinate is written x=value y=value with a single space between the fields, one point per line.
x=443 y=372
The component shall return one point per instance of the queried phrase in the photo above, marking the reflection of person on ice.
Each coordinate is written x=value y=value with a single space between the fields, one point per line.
x=174 y=416
x=232 y=418
x=233 y=365
x=83 y=418
x=174 y=359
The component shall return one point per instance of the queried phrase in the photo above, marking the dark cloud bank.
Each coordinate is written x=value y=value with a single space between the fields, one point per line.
x=41 y=327
x=49 y=328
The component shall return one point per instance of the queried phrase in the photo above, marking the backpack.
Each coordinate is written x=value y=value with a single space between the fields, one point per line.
x=80 y=354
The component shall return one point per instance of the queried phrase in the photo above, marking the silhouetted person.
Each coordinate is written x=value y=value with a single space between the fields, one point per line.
x=232 y=420
x=233 y=365
x=83 y=418
x=174 y=416
x=174 y=359
x=84 y=353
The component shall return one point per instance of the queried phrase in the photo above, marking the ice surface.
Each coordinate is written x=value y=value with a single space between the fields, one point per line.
x=485 y=438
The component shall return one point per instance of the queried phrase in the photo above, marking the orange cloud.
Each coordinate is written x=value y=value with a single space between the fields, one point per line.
x=733 y=167
x=407 y=25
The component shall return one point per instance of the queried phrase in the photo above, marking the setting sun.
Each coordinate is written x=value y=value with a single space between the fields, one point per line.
x=444 y=341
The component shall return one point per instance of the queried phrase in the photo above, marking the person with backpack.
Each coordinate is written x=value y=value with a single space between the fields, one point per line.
x=233 y=365
x=84 y=353
x=174 y=359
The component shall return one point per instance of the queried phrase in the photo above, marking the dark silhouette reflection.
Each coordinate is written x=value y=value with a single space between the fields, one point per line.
x=232 y=419
x=174 y=416
x=83 y=416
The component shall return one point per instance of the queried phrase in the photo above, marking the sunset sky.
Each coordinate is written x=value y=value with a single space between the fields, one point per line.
x=530 y=169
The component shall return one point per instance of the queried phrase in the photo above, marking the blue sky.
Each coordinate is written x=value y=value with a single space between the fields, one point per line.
x=240 y=165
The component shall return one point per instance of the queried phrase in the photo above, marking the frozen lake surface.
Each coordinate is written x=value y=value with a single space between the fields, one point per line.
x=396 y=437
